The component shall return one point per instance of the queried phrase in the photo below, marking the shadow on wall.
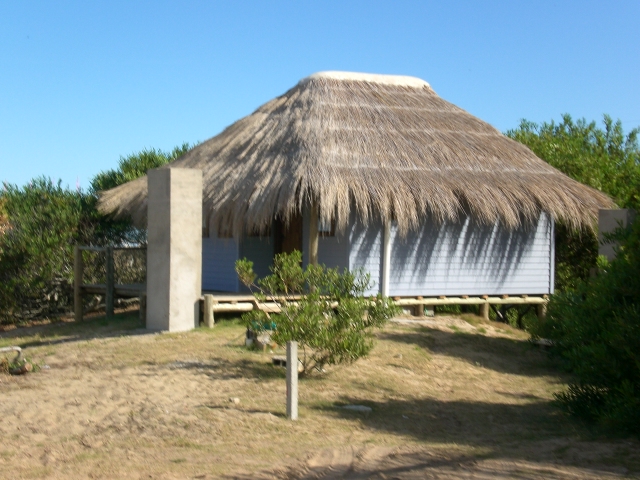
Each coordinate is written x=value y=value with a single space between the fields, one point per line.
x=461 y=258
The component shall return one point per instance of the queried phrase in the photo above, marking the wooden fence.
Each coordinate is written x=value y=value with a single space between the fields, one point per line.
x=110 y=289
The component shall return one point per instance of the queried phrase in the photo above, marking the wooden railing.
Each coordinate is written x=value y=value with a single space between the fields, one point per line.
x=220 y=302
x=110 y=289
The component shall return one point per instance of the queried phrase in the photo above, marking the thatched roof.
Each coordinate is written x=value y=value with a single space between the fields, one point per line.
x=385 y=145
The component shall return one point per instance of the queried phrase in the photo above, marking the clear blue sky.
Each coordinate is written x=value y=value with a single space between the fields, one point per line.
x=85 y=82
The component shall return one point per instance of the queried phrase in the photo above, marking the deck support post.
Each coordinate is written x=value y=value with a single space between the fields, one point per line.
x=484 y=310
x=209 y=319
x=313 y=234
x=418 y=310
x=541 y=311
x=78 y=274
x=292 y=380
x=386 y=259
x=108 y=301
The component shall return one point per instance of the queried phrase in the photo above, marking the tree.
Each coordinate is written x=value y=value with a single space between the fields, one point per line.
x=129 y=168
x=322 y=309
x=41 y=222
x=595 y=330
x=136 y=165
x=603 y=158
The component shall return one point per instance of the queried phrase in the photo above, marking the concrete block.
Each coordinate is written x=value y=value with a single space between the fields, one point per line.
x=609 y=221
x=174 y=251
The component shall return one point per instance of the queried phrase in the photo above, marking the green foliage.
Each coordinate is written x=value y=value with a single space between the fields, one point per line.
x=136 y=165
x=41 y=222
x=596 y=331
x=129 y=168
x=322 y=309
x=44 y=221
x=603 y=158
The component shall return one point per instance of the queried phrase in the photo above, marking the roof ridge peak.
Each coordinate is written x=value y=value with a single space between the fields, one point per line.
x=399 y=80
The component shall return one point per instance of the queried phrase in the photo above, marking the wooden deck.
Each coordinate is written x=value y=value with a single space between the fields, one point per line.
x=218 y=302
x=213 y=302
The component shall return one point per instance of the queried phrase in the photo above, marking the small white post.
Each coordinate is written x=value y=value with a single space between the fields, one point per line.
x=292 y=380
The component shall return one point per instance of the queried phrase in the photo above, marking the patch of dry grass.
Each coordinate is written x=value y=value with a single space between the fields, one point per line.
x=117 y=402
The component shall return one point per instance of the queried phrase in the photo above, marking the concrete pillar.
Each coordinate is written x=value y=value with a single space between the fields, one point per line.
x=608 y=222
x=174 y=251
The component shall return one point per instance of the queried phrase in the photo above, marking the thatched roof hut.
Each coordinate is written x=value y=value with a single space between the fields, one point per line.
x=387 y=146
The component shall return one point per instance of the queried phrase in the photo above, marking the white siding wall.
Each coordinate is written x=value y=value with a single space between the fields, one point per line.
x=260 y=251
x=365 y=252
x=459 y=259
x=219 y=256
x=471 y=259
x=452 y=259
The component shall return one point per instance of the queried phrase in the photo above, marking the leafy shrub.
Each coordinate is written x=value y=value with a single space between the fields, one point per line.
x=136 y=165
x=596 y=331
x=43 y=223
x=332 y=322
x=604 y=158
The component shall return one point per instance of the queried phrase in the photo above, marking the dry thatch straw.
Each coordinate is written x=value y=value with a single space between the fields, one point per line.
x=387 y=146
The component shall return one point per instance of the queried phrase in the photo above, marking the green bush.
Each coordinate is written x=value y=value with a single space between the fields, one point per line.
x=604 y=158
x=43 y=222
x=39 y=225
x=332 y=322
x=595 y=330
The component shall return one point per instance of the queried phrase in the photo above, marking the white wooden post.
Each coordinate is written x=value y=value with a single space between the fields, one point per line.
x=386 y=259
x=292 y=380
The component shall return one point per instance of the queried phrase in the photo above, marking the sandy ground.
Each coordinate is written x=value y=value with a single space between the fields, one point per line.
x=128 y=404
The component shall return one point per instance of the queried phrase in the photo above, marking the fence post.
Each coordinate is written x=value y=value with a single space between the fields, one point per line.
x=78 y=274
x=209 y=319
x=110 y=280
x=292 y=380
x=143 y=307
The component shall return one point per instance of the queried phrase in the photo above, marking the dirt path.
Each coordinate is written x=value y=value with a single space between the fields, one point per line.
x=450 y=400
